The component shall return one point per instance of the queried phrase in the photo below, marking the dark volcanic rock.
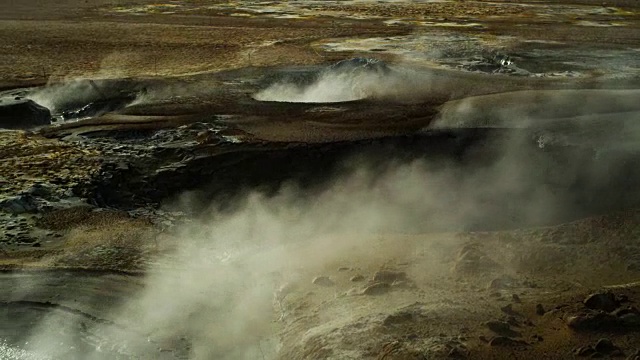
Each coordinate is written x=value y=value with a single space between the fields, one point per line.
x=605 y=346
x=501 y=328
x=457 y=353
x=584 y=351
x=605 y=301
x=630 y=320
x=18 y=204
x=625 y=311
x=627 y=318
x=634 y=356
x=592 y=321
x=22 y=114
x=508 y=309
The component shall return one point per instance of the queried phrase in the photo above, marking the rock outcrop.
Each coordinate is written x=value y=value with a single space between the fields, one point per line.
x=19 y=113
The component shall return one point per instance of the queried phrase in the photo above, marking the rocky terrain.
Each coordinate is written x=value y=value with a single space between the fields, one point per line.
x=319 y=180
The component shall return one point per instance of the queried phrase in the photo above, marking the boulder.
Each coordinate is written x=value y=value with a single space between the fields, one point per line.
x=18 y=204
x=605 y=301
x=19 y=113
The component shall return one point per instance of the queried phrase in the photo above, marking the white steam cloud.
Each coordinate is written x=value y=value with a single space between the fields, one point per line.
x=55 y=96
x=217 y=287
x=350 y=80
x=329 y=88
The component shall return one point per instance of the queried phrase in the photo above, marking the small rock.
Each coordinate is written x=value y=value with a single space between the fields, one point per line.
x=377 y=289
x=616 y=353
x=537 y=338
x=634 y=356
x=341 y=269
x=620 y=312
x=387 y=276
x=323 y=281
x=357 y=278
x=503 y=282
x=625 y=310
x=18 y=204
x=457 y=353
x=513 y=321
x=540 y=310
x=40 y=190
x=605 y=301
x=584 y=351
x=592 y=321
x=413 y=337
x=630 y=319
x=498 y=326
x=506 y=341
x=508 y=309
x=483 y=338
x=604 y=346
x=502 y=328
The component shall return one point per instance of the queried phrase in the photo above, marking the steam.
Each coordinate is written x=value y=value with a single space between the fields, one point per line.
x=521 y=109
x=216 y=287
x=348 y=80
x=55 y=96
x=329 y=88
x=212 y=295
x=226 y=269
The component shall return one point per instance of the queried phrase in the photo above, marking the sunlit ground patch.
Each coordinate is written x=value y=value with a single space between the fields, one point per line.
x=149 y=9
x=600 y=23
x=545 y=59
x=403 y=22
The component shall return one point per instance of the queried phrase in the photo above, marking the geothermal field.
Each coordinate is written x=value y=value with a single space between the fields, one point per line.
x=323 y=179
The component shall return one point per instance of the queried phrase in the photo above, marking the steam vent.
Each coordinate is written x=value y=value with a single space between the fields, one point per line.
x=336 y=179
